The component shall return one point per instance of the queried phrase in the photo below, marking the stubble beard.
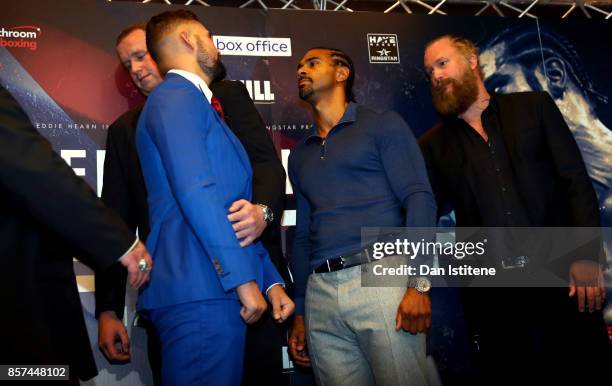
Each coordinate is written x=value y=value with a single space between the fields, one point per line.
x=214 y=69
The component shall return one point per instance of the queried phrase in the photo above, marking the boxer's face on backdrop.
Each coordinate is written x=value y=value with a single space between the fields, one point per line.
x=134 y=56
x=316 y=73
x=453 y=82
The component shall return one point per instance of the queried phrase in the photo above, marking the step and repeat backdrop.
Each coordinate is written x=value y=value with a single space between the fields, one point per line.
x=58 y=60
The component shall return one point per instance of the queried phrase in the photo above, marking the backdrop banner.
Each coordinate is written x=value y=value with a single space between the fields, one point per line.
x=59 y=62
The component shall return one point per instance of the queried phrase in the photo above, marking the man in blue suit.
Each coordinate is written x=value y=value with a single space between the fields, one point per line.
x=194 y=168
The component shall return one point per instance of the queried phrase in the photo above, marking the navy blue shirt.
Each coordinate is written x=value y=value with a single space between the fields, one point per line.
x=368 y=172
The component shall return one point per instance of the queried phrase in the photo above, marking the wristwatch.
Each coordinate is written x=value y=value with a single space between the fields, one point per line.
x=267 y=213
x=422 y=284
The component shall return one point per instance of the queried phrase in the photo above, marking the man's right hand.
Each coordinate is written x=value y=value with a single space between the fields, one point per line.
x=136 y=277
x=297 y=342
x=110 y=331
x=253 y=302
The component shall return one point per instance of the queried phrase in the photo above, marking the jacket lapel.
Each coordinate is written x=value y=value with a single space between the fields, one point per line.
x=507 y=127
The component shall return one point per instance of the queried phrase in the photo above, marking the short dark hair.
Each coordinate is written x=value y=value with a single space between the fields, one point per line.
x=340 y=58
x=160 y=24
x=129 y=29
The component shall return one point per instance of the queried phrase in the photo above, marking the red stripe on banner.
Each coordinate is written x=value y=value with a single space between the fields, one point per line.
x=79 y=76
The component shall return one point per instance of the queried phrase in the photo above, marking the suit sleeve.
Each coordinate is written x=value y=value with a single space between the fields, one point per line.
x=246 y=123
x=301 y=240
x=111 y=284
x=569 y=165
x=179 y=128
x=270 y=273
x=571 y=171
x=42 y=183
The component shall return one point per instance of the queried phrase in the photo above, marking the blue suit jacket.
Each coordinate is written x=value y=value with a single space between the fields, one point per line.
x=194 y=168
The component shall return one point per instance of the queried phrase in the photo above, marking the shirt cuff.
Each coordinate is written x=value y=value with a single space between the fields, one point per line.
x=270 y=287
x=130 y=249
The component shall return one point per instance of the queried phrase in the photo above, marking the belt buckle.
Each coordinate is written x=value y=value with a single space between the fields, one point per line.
x=336 y=264
x=519 y=262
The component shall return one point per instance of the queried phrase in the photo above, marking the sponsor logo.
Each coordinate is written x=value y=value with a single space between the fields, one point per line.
x=383 y=48
x=260 y=91
x=253 y=46
x=23 y=36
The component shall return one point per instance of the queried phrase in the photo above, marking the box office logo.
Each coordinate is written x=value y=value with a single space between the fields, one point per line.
x=23 y=36
x=383 y=48
x=253 y=46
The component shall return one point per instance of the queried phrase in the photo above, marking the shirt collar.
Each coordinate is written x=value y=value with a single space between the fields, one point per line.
x=349 y=116
x=196 y=80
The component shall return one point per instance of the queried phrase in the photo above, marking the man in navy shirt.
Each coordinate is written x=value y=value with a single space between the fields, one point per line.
x=357 y=169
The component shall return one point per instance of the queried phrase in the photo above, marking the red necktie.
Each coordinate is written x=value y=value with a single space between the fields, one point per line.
x=216 y=105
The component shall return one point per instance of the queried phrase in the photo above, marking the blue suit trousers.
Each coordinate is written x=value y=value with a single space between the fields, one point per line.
x=202 y=342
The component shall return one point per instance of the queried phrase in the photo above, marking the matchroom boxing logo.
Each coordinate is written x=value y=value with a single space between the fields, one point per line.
x=23 y=36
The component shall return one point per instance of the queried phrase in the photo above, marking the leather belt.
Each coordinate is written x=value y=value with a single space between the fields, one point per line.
x=344 y=261
x=352 y=259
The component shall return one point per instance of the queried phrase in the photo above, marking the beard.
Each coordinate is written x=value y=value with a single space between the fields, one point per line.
x=219 y=72
x=452 y=97
x=309 y=90
x=214 y=69
x=306 y=91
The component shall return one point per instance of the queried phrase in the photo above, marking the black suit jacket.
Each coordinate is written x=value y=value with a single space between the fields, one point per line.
x=124 y=188
x=47 y=216
x=548 y=168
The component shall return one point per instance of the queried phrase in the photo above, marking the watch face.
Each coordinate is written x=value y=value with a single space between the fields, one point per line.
x=423 y=285
x=267 y=212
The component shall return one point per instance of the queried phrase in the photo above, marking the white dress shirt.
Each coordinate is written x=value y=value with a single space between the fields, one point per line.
x=196 y=80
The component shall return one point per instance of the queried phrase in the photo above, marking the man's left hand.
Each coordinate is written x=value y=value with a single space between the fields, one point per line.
x=586 y=280
x=248 y=221
x=282 y=305
x=414 y=312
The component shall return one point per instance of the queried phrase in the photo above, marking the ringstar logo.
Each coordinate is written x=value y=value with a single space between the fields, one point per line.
x=383 y=48
x=23 y=36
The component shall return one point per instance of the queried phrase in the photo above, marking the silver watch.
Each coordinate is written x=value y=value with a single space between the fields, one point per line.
x=267 y=213
x=422 y=284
